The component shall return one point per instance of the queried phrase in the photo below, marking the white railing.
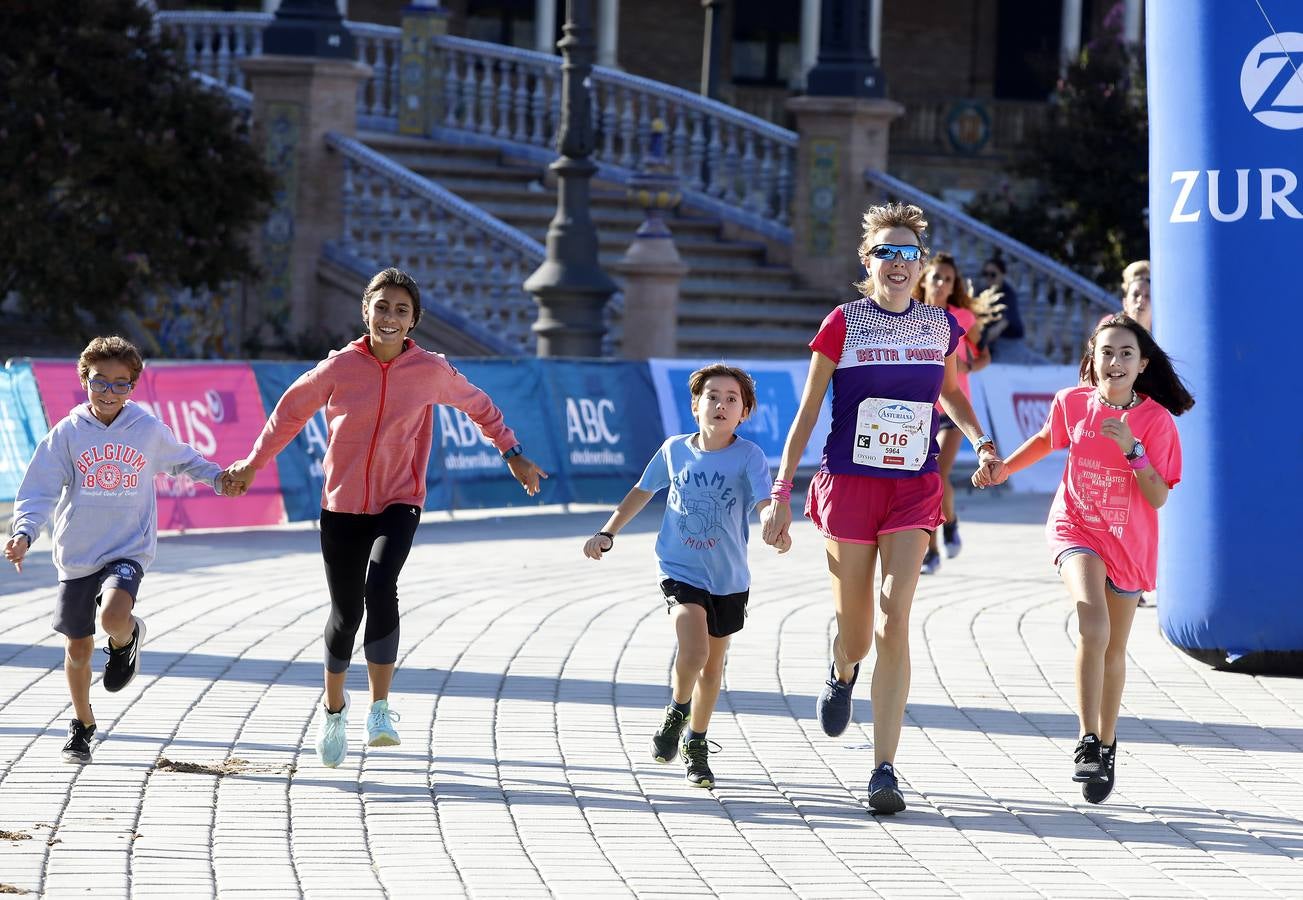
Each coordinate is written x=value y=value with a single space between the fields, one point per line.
x=471 y=264
x=1059 y=307
x=214 y=43
x=731 y=163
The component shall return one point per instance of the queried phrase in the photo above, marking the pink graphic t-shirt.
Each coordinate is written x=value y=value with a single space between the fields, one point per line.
x=1099 y=504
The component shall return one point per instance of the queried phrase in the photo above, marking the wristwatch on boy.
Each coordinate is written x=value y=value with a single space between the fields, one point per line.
x=514 y=451
x=23 y=534
x=1137 y=451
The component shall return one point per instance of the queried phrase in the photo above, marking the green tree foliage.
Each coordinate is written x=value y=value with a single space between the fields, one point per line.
x=122 y=174
x=1081 y=184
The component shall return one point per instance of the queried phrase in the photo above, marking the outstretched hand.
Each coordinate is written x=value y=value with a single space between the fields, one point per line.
x=526 y=472
x=15 y=550
x=990 y=471
x=237 y=479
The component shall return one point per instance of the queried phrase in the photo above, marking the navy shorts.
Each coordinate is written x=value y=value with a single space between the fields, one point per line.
x=74 y=611
x=725 y=613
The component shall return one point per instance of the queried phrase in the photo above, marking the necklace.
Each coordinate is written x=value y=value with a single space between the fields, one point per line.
x=1130 y=403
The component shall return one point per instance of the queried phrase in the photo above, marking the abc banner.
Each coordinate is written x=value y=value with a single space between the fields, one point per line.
x=1226 y=218
x=213 y=407
x=22 y=425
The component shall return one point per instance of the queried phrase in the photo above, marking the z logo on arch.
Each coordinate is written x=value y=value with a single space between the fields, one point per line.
x=1271 y=81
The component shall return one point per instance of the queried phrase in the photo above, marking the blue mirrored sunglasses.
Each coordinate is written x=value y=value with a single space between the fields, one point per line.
x=99 y=386
x=907 y=252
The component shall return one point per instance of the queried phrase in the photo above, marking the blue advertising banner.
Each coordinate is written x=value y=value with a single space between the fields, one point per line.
x=607 y=411
x=476 y=476
x=22 y=425
x=1226 y=212
x=778 y=396
x=299 y=464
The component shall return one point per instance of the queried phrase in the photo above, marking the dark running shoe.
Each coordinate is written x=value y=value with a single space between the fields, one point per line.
x=1089 y=767
x=78 y=749
x=123 y=662
x=834 y=706
x=950 y=538
x=885 y=797
x=1098 y=791
x=665 y=742
x=931 y=562
x=696 y=762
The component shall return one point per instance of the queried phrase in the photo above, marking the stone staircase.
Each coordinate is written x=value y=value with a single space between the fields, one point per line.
x=735 y=300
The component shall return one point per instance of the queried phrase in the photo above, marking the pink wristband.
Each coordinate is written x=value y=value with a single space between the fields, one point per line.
x=1139 y=462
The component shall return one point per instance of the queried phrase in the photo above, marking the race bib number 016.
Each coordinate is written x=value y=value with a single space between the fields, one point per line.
x=892 y=434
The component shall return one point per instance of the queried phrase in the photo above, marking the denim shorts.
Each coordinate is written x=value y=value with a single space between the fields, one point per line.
x=1074 y=551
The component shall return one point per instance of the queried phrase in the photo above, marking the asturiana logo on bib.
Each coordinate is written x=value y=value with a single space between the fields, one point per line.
x=897 y=414
x=1271 y=81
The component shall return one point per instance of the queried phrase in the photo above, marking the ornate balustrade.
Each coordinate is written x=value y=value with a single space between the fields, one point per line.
x=732 y=164
x=471 y=263
x=1059 y=307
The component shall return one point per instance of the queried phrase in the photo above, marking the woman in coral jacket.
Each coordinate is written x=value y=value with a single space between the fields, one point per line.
x=378 y=393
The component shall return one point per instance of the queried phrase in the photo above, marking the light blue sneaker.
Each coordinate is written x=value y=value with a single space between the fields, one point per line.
x=332 y=737
x=380 y=731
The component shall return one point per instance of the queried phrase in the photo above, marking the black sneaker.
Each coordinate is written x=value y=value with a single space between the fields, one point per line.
x=1089 y=766
x=665 y=743
x=696 y=760
x=78 y=748
x=884 y=791
x=931 y=562
x=123 y=662
x=833 y=708
x=1098 y=791
x=950 y=538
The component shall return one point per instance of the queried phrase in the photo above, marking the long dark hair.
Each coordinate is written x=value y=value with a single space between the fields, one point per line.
x=1159 y=380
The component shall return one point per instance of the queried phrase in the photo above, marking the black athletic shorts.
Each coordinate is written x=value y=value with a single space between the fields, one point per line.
x=725 y=613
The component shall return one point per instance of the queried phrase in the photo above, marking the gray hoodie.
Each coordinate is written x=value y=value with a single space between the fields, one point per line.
x=99 y=482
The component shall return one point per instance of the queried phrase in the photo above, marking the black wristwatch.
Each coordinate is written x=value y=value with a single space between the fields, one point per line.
x=1137 y=451
x=514 y=451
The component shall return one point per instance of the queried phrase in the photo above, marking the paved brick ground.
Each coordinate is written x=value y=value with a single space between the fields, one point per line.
x=531 y=679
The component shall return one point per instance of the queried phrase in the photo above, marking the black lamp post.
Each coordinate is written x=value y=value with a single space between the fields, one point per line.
x=846 y=67
x=308 y=28
x=570 y=286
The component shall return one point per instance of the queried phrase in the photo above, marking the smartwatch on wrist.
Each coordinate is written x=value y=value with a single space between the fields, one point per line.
x=514 y=451
x=982 y=440
x=1137 y=451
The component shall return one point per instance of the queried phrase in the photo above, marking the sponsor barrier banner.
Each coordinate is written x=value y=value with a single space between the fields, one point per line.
x=213 y=407
x=1225 y=165
x=1018 y=402
x=471 y=466
x=607 y=411
x=778 y=395
x=22 y=425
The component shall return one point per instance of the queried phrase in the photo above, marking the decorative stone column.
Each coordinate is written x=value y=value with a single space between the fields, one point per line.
x=421 y=67
x=841 y=137
x=652 y=267
x=296 y=100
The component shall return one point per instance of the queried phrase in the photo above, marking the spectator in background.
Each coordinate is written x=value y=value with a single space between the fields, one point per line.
x=1004 y=336
x=1135 y=295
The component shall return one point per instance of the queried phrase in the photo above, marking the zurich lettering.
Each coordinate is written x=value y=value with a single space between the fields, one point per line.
x=1228 y=198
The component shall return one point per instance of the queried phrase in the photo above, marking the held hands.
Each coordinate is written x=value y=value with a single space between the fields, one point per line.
x=991 y=470
x=15 y=550
x=1119 y=431
x=776 y=520
x=237 y=479
x=527 y=473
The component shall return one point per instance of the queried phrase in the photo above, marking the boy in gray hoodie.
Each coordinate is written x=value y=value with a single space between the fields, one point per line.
x=95 y=473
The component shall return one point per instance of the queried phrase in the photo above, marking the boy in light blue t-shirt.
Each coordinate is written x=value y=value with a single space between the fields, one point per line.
x=715 y=478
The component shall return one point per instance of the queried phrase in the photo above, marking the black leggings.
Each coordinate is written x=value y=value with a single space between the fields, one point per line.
x=363 y=556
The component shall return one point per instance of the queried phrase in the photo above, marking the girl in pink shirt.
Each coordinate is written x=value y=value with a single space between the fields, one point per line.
x=1124 y=456
x=378 y=393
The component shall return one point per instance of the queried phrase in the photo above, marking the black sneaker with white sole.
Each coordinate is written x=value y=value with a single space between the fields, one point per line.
x=123 y=662
x=885 y=797
x=1098 y=791
x=78 y=748
x=696 y=762
x=665 y=742
x=1087 y=763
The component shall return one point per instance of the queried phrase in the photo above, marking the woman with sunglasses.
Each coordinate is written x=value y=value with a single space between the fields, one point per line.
x=877 y=495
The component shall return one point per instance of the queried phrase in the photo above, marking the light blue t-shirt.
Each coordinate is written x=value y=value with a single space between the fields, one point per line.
x=703 y=540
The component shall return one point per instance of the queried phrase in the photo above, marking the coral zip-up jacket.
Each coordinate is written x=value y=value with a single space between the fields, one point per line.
x=380 y=420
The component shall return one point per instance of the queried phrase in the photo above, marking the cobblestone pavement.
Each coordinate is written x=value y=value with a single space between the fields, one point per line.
x=530 y=682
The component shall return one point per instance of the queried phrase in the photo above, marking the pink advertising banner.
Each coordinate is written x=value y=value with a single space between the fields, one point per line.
x=213 y=407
